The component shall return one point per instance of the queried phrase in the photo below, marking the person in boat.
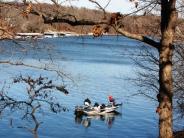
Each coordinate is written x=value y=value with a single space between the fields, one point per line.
x=102 y=106
x=87 y=102
x=111 y=100
x=97 y=107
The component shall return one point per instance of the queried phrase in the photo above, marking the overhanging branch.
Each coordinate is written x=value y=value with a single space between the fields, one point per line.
x=63 y=19
x=43 y=67
x=100 y=7
x=71 y=22
x=141 y=38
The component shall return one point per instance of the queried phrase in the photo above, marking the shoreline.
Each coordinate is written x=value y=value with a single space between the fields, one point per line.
x=53 y=35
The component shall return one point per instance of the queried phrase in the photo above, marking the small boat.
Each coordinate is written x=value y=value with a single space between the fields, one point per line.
x=92 y=111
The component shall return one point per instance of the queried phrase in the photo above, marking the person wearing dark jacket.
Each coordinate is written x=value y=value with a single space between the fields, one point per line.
x=87 y=102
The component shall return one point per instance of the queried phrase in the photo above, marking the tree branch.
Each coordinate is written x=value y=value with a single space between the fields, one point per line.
x=71 y=22
x=59 y=72
x=100 y=7
x=141 y=38
x=63 y=19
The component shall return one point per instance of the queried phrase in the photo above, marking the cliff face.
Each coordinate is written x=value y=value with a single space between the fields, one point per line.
x=12 y=14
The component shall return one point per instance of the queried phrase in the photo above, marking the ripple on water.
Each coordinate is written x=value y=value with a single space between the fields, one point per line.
x=100 y=69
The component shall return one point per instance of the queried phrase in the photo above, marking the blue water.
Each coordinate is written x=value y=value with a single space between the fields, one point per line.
x=97 y=68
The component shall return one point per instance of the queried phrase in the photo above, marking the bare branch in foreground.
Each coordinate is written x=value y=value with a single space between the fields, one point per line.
x=46 y=68
x=66 y=18
x=141 y=38
x=39 y=92
x=100 y=7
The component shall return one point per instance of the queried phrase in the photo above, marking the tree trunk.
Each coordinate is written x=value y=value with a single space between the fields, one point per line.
x=165 y=93
x=168 y=24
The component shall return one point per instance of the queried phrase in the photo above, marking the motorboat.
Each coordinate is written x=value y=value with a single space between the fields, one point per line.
x=92 y=111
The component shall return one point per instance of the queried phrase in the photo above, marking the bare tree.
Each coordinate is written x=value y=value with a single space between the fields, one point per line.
x=178 y=81
x=147 y=78
x=39 y=92
x=148 y=81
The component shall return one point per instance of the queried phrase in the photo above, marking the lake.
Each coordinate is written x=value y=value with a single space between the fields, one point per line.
x=97 y=67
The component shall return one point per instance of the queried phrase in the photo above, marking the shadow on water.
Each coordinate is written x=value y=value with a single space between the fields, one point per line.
x=108 y=118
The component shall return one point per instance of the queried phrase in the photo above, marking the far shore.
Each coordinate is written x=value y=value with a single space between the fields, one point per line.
x=53 y=35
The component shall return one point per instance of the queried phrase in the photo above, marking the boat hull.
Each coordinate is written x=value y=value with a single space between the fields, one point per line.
x=90 y=111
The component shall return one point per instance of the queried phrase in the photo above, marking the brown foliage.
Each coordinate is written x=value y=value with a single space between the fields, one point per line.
x=6 y=31
x=114 y=17
x=97 y=31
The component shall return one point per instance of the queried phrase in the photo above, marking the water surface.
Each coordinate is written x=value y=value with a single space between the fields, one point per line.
x=98 y=67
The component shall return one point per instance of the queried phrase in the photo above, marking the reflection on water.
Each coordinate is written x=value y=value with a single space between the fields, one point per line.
x=27 y=116
x=34 y=129
x=108 y=119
